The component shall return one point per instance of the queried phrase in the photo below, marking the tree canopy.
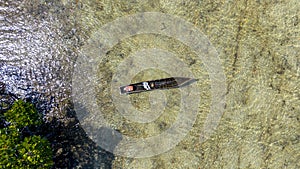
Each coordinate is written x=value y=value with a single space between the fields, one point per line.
x=17 y=150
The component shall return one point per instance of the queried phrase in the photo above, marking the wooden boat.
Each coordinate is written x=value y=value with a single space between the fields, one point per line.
x=167 y=83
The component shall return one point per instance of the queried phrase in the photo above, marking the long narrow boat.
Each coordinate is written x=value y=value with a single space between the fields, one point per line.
x=167 y=83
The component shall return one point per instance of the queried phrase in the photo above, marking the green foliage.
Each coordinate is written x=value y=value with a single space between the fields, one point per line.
x=9 y=137
x=35 y=152
x=23 y=114
x=17 y=152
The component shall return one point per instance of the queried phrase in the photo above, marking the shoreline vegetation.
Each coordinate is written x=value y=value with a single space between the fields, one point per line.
x=20 y=143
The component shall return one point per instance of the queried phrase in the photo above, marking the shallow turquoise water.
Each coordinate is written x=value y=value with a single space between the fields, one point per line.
x=258 y=47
